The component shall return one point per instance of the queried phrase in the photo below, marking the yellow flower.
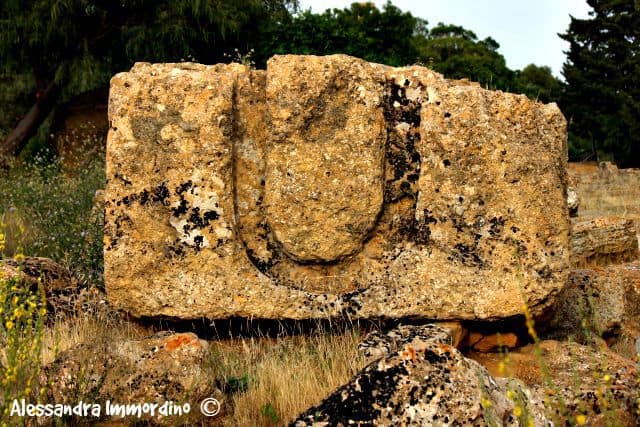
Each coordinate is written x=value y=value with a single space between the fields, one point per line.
x=9 y=325
x=581 y=420
x=501 y=369
x=517 y=411
x=607 y=378
x=486 y=403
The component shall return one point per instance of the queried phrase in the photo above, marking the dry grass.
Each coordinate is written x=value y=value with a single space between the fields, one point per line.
x=68 y=332
x=276 y=379
x=603 y=193
x=266 y=381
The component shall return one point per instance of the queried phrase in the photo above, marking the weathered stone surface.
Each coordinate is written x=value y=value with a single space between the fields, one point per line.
x=591 y=304
x=325 y=161
x=603 y=240
x=599 y=302
x=328 y=186
x=377 y=344
x=573 y=201
x=162 y=368
x=606 y=381
x=424 y=382
x=38 y=270
x=171 y=240
x=493 y=342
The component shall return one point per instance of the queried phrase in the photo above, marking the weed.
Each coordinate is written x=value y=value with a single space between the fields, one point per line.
x=22 y=314
x=58 y=213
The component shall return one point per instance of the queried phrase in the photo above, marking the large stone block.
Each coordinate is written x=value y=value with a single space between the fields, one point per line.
x=329 y=186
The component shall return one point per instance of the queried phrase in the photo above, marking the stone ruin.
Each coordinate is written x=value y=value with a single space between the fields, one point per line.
x=329 y=186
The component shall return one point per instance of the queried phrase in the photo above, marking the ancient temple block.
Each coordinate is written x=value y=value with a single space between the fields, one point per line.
x=330 y=186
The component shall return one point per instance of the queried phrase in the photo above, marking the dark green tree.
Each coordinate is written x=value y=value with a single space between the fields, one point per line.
x=538 y=83
x=71 y=46
x=457 y=53
x=384 y=36
x=602 y=72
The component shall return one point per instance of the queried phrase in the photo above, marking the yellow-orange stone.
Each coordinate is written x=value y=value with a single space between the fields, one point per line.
x=330 y=186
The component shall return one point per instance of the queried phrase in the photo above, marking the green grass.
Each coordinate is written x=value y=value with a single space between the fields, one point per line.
x=56 y=214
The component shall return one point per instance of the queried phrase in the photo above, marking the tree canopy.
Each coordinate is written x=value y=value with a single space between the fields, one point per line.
x=71 y=46
x=385 y=36
x=538 y=83
x=602 y=73
x=51 y=50
x=457 y=53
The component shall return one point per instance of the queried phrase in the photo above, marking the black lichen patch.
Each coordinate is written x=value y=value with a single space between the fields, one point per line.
x=466 y=255
x=497 y=225
x=184 y=187
x=116 y=232
x=161 y=194
x=418 y=230
x=361 y=401
x=177 y=249
x=403 y=159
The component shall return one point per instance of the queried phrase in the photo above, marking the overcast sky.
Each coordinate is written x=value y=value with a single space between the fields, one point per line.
x=526 y=30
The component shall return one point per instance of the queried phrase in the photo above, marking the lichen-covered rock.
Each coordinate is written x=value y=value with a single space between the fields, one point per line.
x=576 y=380
x=603 y=240
x=38 y=270
x=62 y=291
x=329 y=186
x=591 y=304
x=601 y=302
x=377 y=343
x=163 y=368
x=424 y=382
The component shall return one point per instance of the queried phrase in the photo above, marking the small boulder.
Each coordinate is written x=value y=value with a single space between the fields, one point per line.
x=599 y=302
x=31 y=270
x=603 y=241
x=492 y=342
x=584 y=380
x=424 y=382
x=161 y=368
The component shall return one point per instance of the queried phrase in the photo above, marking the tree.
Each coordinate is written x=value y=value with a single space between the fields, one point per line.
x=457 y=53
x=602 y=72
x=361 y=30
x=538 y=83
x=71 y=46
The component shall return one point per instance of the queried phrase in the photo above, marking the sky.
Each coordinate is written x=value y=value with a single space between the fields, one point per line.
x=526 y=30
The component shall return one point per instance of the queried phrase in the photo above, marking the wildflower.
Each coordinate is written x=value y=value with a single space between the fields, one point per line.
x=501 y=369
x=517 y=411
x=581 y=420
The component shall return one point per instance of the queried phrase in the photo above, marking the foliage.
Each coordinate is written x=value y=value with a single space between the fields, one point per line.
x=602 y=98
x=80 y=44
x=57 y=213
x=22 y=314
x=538 y=83
x=361 y=30
x=457 y=53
